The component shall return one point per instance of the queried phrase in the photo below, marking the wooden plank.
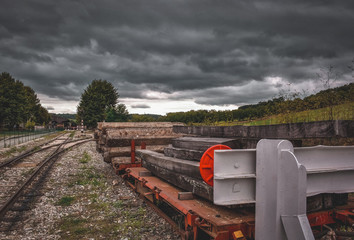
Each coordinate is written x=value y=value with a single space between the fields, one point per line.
x=151 y=140
x=140 y=132
x=102 y=140
x=96 y=134
x=120 y=160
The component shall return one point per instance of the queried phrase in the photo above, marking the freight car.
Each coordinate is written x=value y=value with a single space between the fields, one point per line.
x=274 y=191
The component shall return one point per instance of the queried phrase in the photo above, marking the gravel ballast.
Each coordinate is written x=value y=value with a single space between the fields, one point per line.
x=84 y=199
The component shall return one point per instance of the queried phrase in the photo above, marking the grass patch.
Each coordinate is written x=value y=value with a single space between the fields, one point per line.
x=93 y=197
x=88 y=176
x=118 y=204
x=72 y=135
x=13 y=150
x=22 y=148
x=85 y=158
x=99 y=206
x=339 y=112
x=132 y=223
x=51 y=136
x=36 y=148
x=120 y=217
x=66 y=201
x=134 y=220
x=73 y=227
x=102 y=218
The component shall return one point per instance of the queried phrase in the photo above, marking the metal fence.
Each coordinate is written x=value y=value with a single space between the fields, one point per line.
x=15 y=137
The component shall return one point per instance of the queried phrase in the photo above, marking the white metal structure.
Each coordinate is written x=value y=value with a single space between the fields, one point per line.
x=278 y=178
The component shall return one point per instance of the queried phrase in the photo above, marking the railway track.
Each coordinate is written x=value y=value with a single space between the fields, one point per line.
x=34 y=150
x=29 y=152
x=22 y=179
x=19 y=137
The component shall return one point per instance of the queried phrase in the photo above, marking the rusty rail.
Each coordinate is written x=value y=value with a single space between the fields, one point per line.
x=15 y=196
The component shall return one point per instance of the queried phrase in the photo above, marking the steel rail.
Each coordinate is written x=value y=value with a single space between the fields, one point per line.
x=33 y=151
x=15 y=196
x=60 y=145
x=28 y=153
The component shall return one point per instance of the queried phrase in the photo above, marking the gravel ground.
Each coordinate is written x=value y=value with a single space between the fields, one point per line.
x=84 y=199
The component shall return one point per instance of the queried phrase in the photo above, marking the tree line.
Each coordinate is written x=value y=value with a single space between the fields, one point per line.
x=99 y=102
x=19 y=104
x=280 y=105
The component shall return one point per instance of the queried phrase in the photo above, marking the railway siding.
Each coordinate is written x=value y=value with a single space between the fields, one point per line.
x=83 y=198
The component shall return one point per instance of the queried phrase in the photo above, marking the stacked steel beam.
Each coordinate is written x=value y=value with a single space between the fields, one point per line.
x=115 y=139
x=179 y=164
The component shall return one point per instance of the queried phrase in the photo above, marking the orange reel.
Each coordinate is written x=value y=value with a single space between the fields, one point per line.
x=206 y=166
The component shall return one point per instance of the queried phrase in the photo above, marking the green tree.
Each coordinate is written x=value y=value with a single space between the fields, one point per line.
x=97 y=97
x=32 y=104
x=30 y=125
x=19 y=103
x=141 y=118
x=12 y=101
x=117 y=114
x=42 y=116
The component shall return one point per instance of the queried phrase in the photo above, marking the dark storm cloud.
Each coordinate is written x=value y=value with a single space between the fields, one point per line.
x=140 y=106
x=203 y=49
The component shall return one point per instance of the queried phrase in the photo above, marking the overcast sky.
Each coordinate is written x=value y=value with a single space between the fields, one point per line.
x=167 y=56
